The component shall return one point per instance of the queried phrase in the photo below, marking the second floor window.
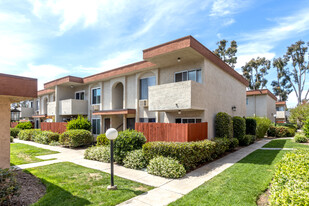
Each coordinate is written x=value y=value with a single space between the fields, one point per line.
x=80 y=95
x=280 y=109
x=96 y=96
x=194 y=75
x=144 y=84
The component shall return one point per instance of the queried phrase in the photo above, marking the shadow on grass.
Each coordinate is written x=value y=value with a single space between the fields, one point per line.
x=261 y=157
x=277 y=143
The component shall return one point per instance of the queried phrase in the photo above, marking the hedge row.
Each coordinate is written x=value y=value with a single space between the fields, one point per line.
x=281 y=131
x=290 y=183
x=189 y=154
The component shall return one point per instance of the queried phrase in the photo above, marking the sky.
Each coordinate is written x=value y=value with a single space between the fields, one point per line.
x=49 y=39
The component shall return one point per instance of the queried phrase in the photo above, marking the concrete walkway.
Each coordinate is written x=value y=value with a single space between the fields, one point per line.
x=167 y=190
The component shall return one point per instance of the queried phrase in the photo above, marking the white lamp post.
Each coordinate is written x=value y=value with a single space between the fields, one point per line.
x=112 y=134
x=275 y=119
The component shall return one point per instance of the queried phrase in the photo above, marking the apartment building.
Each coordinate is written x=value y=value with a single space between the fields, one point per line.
x=281 y=114
x=261 y=103
x=177 y=82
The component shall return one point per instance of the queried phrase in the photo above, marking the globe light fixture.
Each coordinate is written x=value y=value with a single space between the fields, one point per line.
x=112 y=134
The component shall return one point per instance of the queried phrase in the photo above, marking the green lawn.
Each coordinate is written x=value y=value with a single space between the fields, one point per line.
x=71 y=184
x=284 y=143
x=240 y=184
x=24 y=154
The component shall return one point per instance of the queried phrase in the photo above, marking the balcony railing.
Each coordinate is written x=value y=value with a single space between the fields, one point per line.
x=186 y=95
x=73 y=107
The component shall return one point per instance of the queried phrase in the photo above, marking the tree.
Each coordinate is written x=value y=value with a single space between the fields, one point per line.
x=299 y=114
x=255 y=71
x=296 y=74
x=228 y=55
x=281 y=86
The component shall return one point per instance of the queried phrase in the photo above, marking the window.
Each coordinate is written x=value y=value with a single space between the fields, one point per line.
x=147 y=119
x=96 y=96
x=194 y=75
x=247 y=101
x=80 y=95
x=280 y=108
x=188 y=120
x=96 y=126
x=37 y=105
x=144 y=84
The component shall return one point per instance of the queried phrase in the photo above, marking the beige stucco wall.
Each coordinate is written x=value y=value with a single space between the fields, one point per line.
x=261 y=106
x=73 y=107
x=26 y=112
x=5 y=115
x=271 y=108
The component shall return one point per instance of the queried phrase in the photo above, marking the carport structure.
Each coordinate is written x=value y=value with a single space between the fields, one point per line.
x=12 y=89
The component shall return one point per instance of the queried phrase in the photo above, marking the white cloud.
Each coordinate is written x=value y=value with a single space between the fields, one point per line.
x=44 y=73
x=292 y=99
x=227 y=7
x=228 y=22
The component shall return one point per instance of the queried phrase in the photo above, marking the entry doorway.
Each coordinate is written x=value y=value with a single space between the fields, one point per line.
x=131 y=123
x=107 y=124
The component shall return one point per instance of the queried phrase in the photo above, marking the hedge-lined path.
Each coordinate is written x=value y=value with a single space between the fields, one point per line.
x=168 y=190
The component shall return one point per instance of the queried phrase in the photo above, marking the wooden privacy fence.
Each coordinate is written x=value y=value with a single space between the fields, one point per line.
x=173 y=132
x=13 y=124
x=58 y=127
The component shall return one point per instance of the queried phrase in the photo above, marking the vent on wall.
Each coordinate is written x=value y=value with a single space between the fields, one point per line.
x=95 y=107
x=143 y=103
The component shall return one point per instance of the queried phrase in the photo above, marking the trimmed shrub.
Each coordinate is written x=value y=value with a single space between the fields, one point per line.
x=250 y=126
x=127 y=141
x=54 y=143
x=24 y=125
x=52 y=136
x=14 y=132
x=281 y=131
x=41 y=138
x=300 y=138
x=166 y=167
x=271 y=132
x=291 y=132
x=234 y=142
x=28 y=134
x=223 y=125
x=189 y=154
x=99 y=153
x=252 y=139
x=135 y=160
x=290 y=182
x=246 y=140
x=263 y=124
x=239 y=127
x=8 y=186
x=306 y=127
x=76 y=138
x=102 y=140
x=79 y=123
x=222 y=145
x=11 y=139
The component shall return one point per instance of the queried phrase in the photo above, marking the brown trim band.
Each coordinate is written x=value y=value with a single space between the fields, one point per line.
x=39 y=116
x=115 y=112
x=63 y=80
x=261 y=92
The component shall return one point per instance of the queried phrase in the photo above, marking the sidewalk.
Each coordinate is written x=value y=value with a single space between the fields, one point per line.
x=167 y=190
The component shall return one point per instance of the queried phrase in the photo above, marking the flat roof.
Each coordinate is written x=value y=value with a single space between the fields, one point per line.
x=261 y=92
x=115 y=112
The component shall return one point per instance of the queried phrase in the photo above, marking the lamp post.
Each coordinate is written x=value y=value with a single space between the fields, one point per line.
x=112 y=134
x=275 y=119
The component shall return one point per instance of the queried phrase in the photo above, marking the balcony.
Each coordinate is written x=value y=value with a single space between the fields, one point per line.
x=187 y=95
x=51 y=108
x=73 y=107
x=26 y=112
x=280 y=115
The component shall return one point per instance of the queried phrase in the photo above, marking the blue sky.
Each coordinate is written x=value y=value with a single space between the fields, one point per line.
x=48 y=39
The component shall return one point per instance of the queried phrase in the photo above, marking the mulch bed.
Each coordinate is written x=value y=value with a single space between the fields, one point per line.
x=31 y=189
x=263 y=199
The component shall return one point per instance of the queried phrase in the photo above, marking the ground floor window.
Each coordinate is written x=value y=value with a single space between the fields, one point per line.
x=96 y=126
x=188 y=120
x=147 y=119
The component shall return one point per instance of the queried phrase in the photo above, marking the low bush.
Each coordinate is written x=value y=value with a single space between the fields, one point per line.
x=246 y=140
x=252 y=139
x=262 y=125
x=24 y=125
x=127 y=141
x=79 y=123
x=189 y=154
x=11 y=139
x=76 y=138
x=300 y=138
x=271 y=132
x=52 y=136
x=8 y=186
x=239 y=127
x=222 y=145
x=135 y=160
x=234 y=142
x=223 y=125
x=99 y=153
x=306 y=127
x=14 y=132
x=291 y=132
x=54 y=143
x=102 y=140
x=250 y=126
x=41 y=138
x=166 y=167
x=28 y=134
x=290 y=182
x=280 y=131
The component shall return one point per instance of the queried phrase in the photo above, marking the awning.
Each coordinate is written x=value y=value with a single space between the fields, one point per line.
x=115 y=112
